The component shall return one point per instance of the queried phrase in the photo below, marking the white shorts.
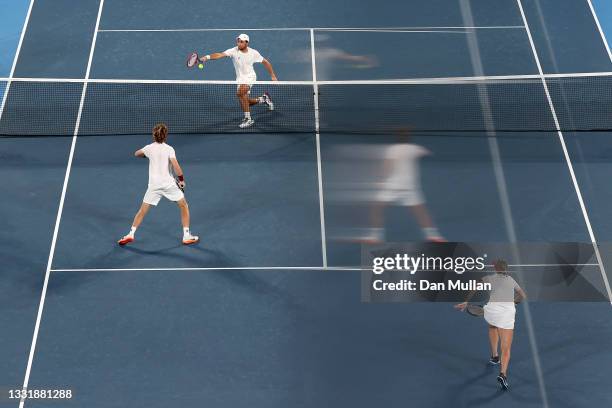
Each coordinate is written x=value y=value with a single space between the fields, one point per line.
x=500 y=314
x=171 y=192
x=248 y=81
x=406 y=196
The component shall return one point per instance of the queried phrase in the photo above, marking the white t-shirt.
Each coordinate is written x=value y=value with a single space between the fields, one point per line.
x=404 y=160
x=502 y=288
x=243 y=62
x=159 y=155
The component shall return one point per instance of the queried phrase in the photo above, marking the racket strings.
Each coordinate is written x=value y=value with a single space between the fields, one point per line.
x=192 y=59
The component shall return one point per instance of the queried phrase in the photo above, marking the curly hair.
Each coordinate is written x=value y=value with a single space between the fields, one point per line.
x=160 y=133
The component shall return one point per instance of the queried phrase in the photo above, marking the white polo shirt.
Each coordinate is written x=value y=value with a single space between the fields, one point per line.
x=404 y=158
x=243 y=63
x=159 y=155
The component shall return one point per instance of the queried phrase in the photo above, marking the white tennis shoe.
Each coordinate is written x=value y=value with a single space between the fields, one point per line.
x=246 y=122
x=265 y=98
x=189 y=239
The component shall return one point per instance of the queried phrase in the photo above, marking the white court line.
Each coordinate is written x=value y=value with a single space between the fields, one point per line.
x=570 y=167
x=366 y=29
x=17 y=51
x=548 y=265
x=601 y=33
x=58 y=219
x=433 y=80
x=318 y=146
x=278 y=268
x=234 y=268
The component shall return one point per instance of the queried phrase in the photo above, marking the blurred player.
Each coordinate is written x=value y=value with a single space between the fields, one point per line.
x=402 y=186
x=500 y=312
x=243 y=58
x=162 y=160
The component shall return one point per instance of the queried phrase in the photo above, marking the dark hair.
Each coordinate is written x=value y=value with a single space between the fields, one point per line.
x=160 y=133
x=501 y=266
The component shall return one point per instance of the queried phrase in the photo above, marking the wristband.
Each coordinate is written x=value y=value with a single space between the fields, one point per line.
x=181 y=178
x=207 y=57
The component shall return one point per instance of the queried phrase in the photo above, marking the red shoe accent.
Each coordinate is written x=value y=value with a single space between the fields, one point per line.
x=125 y=240
x=190 y=241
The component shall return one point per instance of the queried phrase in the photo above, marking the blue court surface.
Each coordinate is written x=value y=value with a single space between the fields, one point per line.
x=510 y=98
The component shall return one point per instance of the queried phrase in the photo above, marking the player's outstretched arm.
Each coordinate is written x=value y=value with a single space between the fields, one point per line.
x=139 y=153
x=269 y=68
x=213 y=56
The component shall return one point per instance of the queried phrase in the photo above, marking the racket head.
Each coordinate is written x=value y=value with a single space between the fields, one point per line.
x=192 y=59
x=475 y=310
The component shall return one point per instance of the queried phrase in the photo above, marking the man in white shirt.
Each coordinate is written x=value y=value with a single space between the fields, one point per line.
x=243 y=58
x=402 y=185
x=162 y=161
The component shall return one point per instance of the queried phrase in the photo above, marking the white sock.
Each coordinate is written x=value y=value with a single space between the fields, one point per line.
x=247 y=115
x=185 y=231
x=132 y=231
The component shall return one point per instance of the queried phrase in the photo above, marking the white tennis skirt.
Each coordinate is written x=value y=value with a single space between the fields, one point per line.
x=500 y=314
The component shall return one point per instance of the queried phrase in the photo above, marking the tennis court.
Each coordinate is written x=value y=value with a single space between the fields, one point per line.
x=511 y=98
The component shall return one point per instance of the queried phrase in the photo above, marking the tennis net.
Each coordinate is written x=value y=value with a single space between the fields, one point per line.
x=116 y=107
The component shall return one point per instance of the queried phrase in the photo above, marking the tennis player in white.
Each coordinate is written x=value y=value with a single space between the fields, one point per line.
x=500 y=312
x=402 y=186
x=243 y=58
x=162 y=160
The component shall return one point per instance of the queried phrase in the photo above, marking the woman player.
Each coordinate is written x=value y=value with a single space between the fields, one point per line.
x=499 y=312
x=162 y=183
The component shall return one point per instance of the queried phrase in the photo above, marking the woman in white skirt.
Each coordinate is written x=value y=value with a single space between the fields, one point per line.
x=499 y=312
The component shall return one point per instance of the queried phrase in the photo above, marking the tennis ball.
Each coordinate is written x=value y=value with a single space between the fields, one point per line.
x=201 y=66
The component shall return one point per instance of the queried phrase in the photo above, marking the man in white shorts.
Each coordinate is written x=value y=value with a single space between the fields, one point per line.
x=402 y=186
x=162 y=160
x=243 y=58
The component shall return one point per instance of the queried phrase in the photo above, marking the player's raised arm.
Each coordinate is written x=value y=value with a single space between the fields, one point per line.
x=213 y=56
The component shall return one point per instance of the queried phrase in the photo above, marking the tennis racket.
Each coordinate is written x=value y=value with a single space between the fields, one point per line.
x=475 y=310
x=192 y=60
x=176 y=180
x=178 y=184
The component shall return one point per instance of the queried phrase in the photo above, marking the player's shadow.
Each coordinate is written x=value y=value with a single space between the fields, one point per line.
x=254 y=282
x=66 y=281
x=141 y=251
x=466 y=387
x=213 y=258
